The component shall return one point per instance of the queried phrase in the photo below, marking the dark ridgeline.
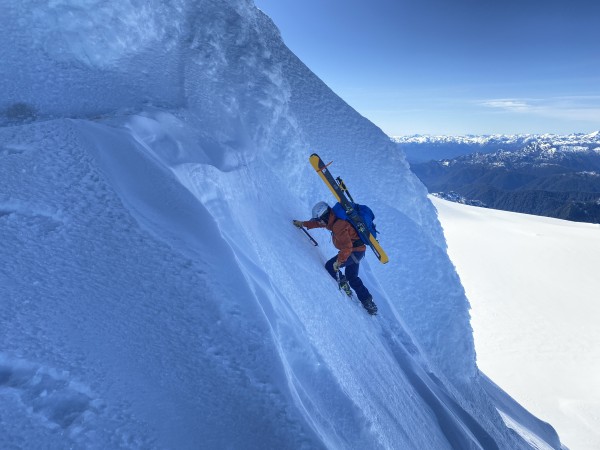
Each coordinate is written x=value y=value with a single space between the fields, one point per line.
x=545 y=179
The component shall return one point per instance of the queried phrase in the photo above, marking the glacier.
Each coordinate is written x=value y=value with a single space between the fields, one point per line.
x=154 y=292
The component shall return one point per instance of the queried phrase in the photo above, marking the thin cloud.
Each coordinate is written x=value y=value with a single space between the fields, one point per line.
x=508 y=104
x=579 y=108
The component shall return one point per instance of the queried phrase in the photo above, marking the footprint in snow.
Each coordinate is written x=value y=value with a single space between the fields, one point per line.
x=48 y=394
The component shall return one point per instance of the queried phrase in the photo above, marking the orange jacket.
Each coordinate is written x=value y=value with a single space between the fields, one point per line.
x=343 y=236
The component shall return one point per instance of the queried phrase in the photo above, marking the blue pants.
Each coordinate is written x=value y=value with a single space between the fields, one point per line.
x=351 y=273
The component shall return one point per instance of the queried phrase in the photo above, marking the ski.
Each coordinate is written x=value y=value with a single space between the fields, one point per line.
x=339 y=192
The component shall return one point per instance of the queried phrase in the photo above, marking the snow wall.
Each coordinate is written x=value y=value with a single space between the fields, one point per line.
x=154 y=292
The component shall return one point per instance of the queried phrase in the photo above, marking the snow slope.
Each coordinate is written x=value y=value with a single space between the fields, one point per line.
x=154 y=293
x=533 y=285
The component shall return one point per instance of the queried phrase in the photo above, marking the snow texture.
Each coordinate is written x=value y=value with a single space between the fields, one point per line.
x=154 y=293
x=533 y=285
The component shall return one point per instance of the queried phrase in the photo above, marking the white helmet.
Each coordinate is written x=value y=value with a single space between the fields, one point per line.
x=319 y=210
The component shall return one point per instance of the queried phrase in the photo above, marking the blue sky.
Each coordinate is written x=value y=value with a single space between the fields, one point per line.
x=453 y=67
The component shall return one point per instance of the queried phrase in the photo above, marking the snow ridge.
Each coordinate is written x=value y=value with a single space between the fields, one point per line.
x=503 y=139
x=426 y=148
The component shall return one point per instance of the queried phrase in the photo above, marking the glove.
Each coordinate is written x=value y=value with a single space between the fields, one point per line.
x=337 y=266
x=298 y=223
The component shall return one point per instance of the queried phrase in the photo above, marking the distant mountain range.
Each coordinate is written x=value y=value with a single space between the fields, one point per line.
x=549 y=175
x=421 y=148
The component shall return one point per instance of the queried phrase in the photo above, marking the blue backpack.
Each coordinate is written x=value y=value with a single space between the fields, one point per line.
x=363 y=211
